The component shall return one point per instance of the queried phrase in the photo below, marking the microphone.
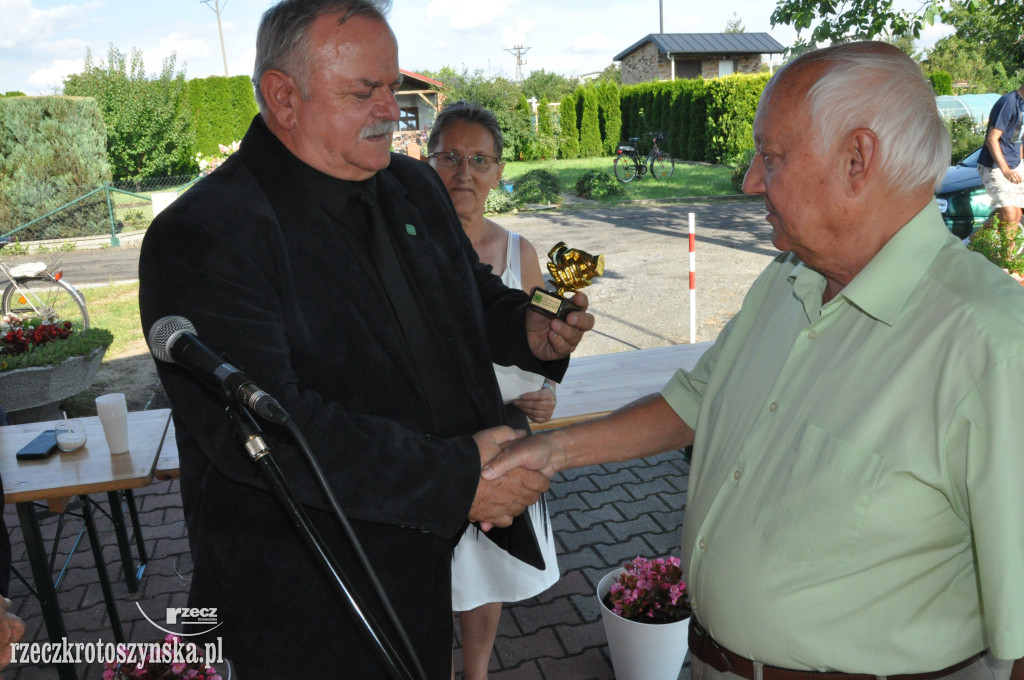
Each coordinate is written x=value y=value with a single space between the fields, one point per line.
x=173 y=339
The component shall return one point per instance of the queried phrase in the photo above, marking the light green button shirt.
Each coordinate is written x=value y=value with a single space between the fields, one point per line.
x=846 y=452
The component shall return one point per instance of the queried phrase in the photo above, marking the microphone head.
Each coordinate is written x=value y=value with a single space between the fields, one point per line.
x=164 y=332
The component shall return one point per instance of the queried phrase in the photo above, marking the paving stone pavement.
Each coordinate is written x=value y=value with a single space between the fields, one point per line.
x=602 y=516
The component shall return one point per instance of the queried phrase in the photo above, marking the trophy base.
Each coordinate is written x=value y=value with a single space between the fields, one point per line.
x=551 y=304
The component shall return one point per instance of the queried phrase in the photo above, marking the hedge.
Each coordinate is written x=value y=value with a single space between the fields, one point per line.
x=703 y=120
x=223 y=109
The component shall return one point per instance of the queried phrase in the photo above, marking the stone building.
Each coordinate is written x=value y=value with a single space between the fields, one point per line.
x=668 y=56
x=419 y=99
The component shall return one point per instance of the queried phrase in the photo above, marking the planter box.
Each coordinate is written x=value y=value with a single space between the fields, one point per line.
x=27 y=388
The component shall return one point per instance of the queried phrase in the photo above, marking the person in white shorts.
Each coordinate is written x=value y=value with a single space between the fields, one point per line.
x=1000 y=164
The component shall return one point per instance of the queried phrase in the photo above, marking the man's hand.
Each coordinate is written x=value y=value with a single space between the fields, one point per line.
x=552 y=339
x=11 y=630
x=538 y=453
x=1012 y=176
x=497 y=502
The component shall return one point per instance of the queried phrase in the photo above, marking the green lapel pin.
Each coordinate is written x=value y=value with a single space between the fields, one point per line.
x=411 y=230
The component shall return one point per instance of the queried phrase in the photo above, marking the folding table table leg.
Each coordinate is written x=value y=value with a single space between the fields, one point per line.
x=101 y=571
x=45 y=592
x=132 y=573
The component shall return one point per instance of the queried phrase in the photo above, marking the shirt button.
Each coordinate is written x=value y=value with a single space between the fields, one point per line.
x=703 y=544
x=812 y=334
x=773 y=407
x=736 y=475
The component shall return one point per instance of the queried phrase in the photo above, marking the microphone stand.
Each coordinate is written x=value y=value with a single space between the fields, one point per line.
x=251 y=438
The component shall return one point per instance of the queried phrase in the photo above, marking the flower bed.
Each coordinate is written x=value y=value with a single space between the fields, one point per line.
x=44 y=363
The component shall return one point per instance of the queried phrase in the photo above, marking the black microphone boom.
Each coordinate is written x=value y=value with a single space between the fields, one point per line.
x=173 y=339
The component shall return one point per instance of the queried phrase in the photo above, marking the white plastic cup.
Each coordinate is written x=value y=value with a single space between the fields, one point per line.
x=112 y=410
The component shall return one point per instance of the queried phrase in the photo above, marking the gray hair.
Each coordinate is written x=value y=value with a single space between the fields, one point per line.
x=282 y=42
x=875 y=85
x=468 y=112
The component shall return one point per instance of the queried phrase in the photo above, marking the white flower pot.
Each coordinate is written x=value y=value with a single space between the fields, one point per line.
x=642 y=651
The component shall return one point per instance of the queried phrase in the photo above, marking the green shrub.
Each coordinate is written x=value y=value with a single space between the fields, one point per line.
x=52 y=151
x=740 y=165
x=999 y=243
x=942 y=82
x=597 y=184
x=540 y=147
x=499 y=201
x=964 y=136
x=537 y=186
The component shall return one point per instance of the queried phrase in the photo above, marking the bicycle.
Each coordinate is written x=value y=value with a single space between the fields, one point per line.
x=35 y=290
x=628 y=165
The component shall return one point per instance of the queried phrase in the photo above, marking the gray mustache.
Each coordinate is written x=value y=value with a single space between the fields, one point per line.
x=381 y=127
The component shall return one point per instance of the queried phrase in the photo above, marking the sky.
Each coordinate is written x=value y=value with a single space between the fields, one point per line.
x=42 y=41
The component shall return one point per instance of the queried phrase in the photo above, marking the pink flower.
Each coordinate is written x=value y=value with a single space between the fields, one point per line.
x=650 y=590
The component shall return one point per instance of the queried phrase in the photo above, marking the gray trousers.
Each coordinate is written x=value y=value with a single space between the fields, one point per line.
x=986 y=668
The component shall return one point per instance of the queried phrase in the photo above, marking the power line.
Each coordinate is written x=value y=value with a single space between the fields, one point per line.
x=217 y=8
x=519 y=51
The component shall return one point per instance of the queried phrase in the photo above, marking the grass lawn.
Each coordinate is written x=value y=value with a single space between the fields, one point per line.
x=116 y=308
x=687 y=180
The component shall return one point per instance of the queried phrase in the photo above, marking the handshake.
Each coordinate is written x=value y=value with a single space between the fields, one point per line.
x=516 y=470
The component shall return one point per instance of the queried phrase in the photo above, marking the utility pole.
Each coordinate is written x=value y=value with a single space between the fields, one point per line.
x=216 y=8
x=519 y=51
x=661 y=16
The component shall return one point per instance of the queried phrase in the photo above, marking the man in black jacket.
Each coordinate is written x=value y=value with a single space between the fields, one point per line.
x=337 y=275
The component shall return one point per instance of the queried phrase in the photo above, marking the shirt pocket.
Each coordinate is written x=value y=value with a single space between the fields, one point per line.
x=812 y=505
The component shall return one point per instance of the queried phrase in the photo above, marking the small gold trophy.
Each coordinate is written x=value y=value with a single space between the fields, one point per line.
x=571 y=269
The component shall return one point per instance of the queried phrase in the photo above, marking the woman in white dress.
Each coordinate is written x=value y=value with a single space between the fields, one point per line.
x=465 y=148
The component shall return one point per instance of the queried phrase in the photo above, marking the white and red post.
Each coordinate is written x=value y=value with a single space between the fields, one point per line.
x=693 y=282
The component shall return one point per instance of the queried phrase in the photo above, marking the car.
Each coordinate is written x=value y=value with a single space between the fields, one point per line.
x=962 y=198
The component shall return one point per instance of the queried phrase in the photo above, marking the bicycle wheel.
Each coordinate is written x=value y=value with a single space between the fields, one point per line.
x=625 y=169
x=46 y=298
x=663 y=165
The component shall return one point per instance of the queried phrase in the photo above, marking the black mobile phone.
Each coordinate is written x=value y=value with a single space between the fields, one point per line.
x=39 y=448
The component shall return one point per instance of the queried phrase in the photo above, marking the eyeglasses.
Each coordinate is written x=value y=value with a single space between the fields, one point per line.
x=452 y=159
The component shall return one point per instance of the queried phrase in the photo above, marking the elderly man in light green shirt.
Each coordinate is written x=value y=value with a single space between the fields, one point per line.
x=856 y=500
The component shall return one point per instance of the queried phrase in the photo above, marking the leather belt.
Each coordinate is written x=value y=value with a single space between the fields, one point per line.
x=704 y=647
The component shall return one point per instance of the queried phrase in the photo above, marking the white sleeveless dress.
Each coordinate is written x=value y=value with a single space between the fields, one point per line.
x=481 y=571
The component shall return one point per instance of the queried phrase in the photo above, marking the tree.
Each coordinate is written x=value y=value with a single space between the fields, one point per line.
x=857 y=19
x=735 y=25
x=540 y=84
x=905 y=44
x=544 y=124
x=150 y=129
x=497 y=94
x=569 y=136
x=612 y=73
x=993 y=26
x=981 y=32
x=966 y=63
x=590 y=130
x=610 y=110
